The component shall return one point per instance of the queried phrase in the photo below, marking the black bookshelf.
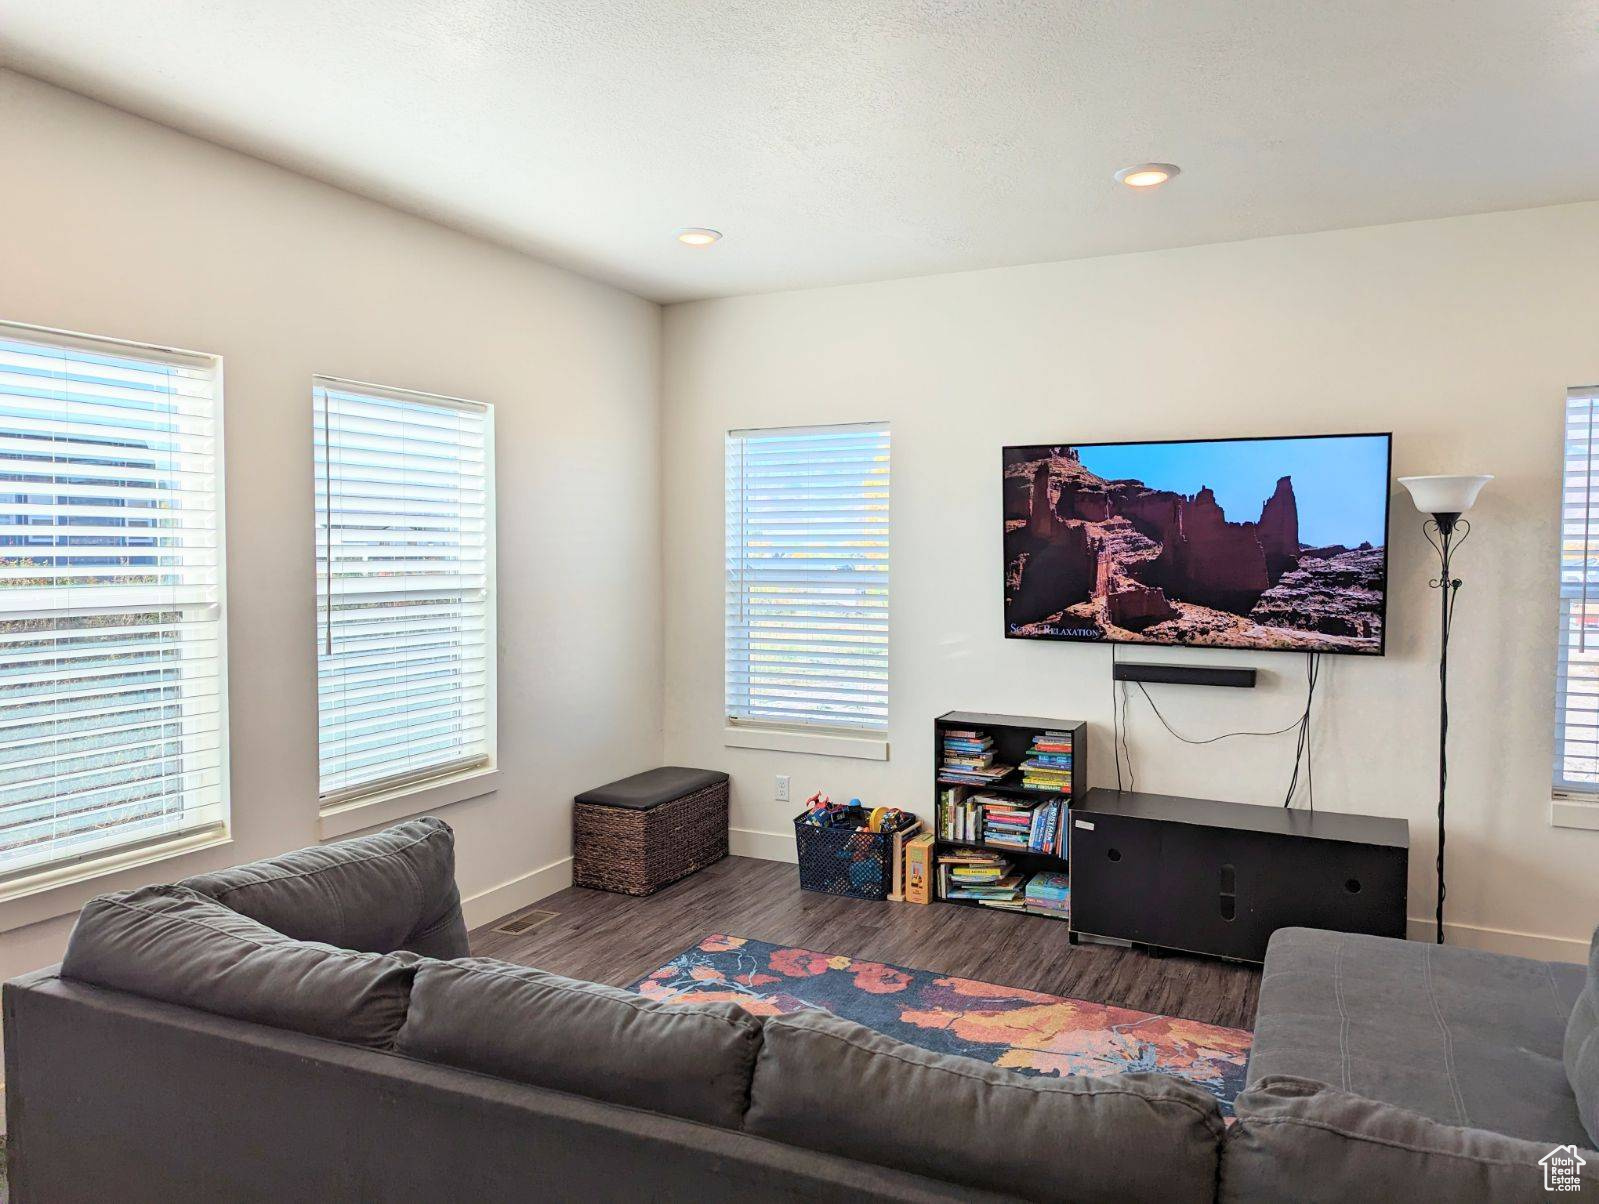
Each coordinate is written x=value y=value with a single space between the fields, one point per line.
x=1012 y=736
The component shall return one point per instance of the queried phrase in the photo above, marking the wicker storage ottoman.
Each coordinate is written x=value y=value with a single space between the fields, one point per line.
x=647 y=831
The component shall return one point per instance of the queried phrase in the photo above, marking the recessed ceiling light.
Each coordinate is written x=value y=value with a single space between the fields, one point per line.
x=1147 y=175
x=698 y=236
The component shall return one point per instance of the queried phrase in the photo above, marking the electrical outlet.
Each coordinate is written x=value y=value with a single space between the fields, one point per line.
x=782 y=788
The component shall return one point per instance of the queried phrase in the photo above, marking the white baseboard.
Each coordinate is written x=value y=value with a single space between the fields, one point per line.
x=768 y=846
x=518 y=893
x=1502 y=940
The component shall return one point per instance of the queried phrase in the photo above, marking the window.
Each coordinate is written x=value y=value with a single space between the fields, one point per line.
x=807 y=577
x=405 y=588
x=1577 y=659
x=112 y=710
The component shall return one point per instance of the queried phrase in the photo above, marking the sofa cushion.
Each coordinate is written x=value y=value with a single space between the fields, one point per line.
x=1581 y=1050
x=689 y=1060
x=831 y=1085
x=1464 y=1037
x=653 y=787
x=175 y=945
x=1304 y=1141
x=392 y=890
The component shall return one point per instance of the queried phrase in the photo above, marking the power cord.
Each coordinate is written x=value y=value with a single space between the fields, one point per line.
x=1127 y=748
x=1302 y=751
x=1118 y=726
x=1115 y=722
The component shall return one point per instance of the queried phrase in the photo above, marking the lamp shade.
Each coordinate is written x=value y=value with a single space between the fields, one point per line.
x=1444 y=495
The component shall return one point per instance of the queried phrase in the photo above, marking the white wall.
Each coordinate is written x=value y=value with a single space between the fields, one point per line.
x=112 y=225
x=1460 y=336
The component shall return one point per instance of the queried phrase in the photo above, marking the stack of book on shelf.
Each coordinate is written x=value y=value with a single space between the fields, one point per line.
x=985 y=878
x=1034 y=827
x=969 y=759
x=989 y=819
x=1007 y=823
x=1049 y=894
x=1049 y=763
x=958 y=818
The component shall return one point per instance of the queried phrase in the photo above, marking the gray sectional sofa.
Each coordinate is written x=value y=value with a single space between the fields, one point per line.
x=312 y=1027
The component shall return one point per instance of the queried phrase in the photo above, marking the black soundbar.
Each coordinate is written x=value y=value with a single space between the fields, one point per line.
x=1185 y=675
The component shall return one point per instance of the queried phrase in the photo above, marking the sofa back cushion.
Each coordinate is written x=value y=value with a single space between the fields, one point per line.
x=1581 y=1051
x=828 y=1084
x=1305 y=1141
x=176 y=945
x=689 y=1060
x=391 y=890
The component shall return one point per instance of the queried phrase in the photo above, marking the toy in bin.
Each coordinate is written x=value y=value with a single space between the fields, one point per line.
x=847 y=849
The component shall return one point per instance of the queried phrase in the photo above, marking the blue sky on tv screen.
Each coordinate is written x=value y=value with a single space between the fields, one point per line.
x=1340 y=481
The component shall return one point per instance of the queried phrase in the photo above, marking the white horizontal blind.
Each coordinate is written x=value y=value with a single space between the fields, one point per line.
x=1577 y=663
x=807 y=577
x=112 y=728
x=405 y=664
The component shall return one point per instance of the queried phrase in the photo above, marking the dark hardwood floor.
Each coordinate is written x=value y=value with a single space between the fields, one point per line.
x=616 y=939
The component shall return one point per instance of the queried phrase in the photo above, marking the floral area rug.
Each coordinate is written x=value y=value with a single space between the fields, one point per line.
x=1021 y=1030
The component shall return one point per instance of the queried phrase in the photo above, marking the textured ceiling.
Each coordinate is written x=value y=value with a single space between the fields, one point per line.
x=861 y=139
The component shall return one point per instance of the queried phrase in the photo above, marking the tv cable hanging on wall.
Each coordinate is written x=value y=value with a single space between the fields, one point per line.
x=1123 y=674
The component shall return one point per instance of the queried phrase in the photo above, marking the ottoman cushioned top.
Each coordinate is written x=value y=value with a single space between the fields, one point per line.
x=1466 y=1038
x=652 y=787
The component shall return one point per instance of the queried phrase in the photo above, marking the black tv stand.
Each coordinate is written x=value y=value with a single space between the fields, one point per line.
x=1203 y=876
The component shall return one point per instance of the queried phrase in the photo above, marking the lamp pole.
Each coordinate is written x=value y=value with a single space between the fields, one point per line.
x=1444 y=499
x=1445 y=531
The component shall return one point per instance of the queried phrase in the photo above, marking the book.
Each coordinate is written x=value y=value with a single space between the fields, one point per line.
x=896 y=850
x=1049 y=894
x=1048 y=764
x=972 y=775
x=968 y=758
x=1049 y=884
x=976 y=873
x=1005 y=888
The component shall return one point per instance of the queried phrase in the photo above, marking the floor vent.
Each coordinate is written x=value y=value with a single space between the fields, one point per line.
x=523 y=922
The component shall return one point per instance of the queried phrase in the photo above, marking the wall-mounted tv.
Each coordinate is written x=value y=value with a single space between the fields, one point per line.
x=1277 y=544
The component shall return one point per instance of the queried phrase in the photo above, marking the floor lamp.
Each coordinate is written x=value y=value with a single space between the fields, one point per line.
x=1444 y=500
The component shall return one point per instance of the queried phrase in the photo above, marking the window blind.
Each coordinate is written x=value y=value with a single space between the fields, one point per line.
x=405 y=619
x=112 y=728
x=807 y=577
x=1577 y=659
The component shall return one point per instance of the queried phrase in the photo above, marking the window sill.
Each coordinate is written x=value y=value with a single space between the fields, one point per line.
x=1571 y=812
x=61 y=892
x=861 y=748
x=406 y=802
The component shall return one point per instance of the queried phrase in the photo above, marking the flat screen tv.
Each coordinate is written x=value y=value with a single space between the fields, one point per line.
x=1277 y=544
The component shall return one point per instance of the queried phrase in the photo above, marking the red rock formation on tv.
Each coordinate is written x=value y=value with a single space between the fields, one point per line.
x=1059 y=567
x=1279 y=530
x=1136 y=607
x=1091 y=557
x=1206 y=559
